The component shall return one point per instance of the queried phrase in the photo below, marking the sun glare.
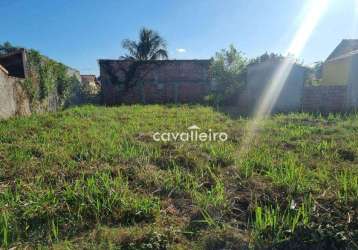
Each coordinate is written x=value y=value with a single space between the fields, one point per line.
x=355 y=20
x=315 y=10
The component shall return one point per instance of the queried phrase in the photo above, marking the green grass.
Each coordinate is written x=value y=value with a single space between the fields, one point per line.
x=276 y=225
x=93 y=178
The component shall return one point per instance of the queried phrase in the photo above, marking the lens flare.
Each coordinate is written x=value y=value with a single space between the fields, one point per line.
x=315 y=10
x=355 y=20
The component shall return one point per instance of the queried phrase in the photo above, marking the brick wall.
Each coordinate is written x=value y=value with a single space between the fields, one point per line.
x=167 y=81
x=187 y=81
x=324 y=99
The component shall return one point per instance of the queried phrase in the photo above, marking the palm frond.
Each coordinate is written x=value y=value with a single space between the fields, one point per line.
x=159 y=55
x=131 y=47
x=151 y=46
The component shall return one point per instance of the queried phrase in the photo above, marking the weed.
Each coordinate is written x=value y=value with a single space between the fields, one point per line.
x=65 y=175
x=275 y=224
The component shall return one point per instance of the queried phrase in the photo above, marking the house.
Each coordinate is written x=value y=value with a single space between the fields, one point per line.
x=341 y=68
x=17 y=63
x=338 y=90
x=90 y=84
x=160 y=81
x=23 y=80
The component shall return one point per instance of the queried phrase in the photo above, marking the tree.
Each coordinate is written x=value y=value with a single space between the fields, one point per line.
x=314 y=74
x=151 y=46
x=317 y=69
x=7 y=48
x=227 y=71
x=265 y=57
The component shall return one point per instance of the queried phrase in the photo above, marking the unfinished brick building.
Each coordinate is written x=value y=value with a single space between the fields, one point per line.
x=13 y=99
x=20 y=83
x=164 y=81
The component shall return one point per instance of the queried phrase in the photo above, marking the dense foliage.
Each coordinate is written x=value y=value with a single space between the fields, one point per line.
x=150 y=46
x=227 y=71
x=46 y=77
x=266 y=57
x=314 y=75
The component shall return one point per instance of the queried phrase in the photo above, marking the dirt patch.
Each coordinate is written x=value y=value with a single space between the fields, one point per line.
x=346 y=155
x=249 y=193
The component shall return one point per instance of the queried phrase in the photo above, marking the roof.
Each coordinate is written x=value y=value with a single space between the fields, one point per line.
x=88 y=77
x=345 y=48
x=348 y=55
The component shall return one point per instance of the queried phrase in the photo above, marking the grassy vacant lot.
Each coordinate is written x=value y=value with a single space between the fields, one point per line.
x=92 y=177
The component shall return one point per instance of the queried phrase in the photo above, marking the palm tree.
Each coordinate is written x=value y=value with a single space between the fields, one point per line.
x=151 y=46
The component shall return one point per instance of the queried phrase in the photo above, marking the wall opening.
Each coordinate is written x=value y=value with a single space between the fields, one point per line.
x=14 y=63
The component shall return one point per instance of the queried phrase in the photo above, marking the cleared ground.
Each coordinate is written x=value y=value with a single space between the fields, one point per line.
x=92 y=177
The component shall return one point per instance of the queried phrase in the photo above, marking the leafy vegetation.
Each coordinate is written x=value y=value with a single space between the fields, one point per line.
x=227 y=70
x=93 y=178
x=266 y=57
x=150 y=46
x=314 y=76
x=46 y=76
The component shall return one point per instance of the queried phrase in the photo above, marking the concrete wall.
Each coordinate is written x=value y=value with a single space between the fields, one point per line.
x=259 y=77
x=13 y=100
x=339 y=89
x=73 y=73
x=343 y=71
x=52 y=102
x=7 y=100
x=336 y=72
x=325 y=99
x=352 y=83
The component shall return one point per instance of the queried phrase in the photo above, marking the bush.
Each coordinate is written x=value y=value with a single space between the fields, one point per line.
x=228 y=73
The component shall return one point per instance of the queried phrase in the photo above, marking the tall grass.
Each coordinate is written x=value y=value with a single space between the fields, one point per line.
x=277 y=224
x=65 y=176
